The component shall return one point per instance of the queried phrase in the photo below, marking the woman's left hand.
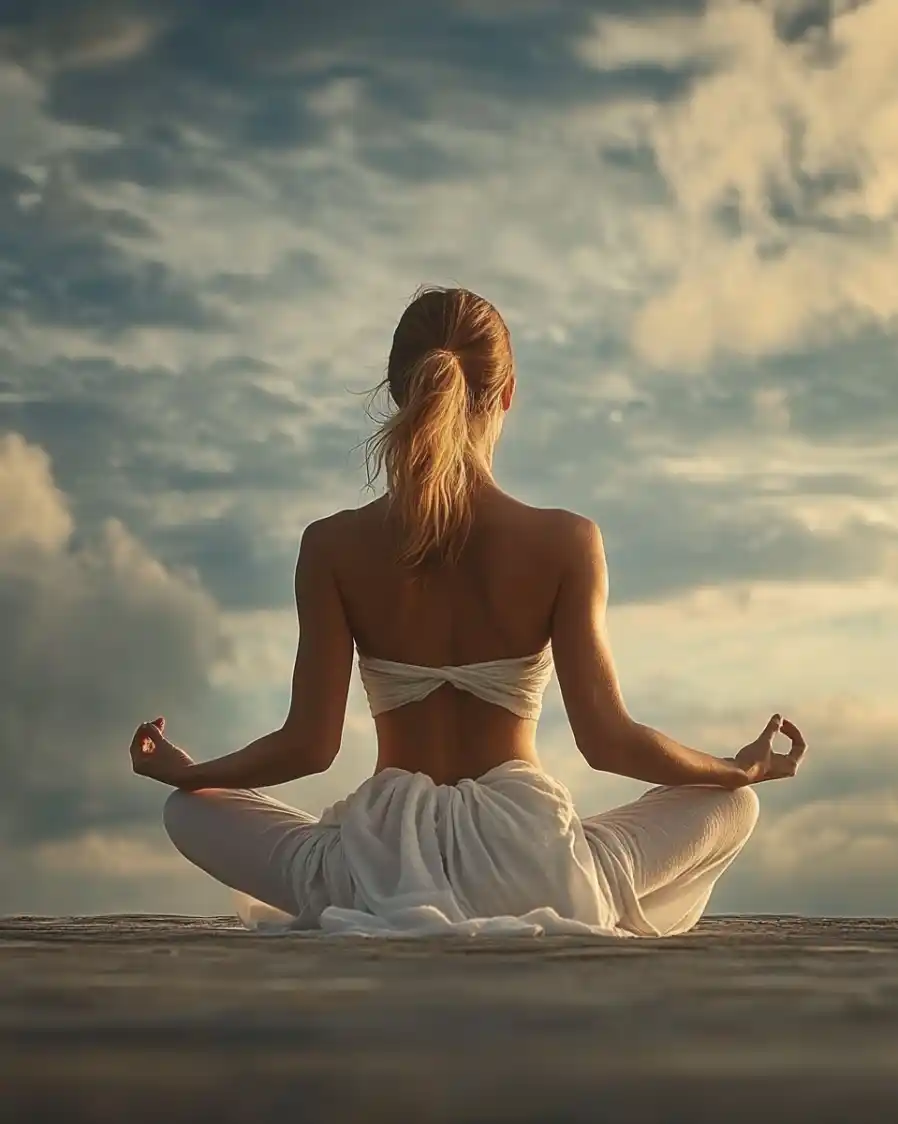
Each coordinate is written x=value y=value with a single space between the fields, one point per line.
x=759 y=761
x=154 y=756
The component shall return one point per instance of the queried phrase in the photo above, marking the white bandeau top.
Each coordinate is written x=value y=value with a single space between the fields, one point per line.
x=517 y=684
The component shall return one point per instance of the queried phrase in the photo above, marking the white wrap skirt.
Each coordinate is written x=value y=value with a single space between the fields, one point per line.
x=503 y=854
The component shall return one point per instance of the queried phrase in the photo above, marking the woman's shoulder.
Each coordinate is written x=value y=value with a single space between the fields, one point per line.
x=372 y=514
x=560 y=529
x=562 y=538
x=338 y=527
x=571 y=525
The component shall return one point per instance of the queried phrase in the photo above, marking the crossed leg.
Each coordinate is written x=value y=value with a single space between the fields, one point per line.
x=242 y=838
x=665 y=851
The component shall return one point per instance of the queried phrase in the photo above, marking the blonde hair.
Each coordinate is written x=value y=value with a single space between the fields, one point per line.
x=449 y=365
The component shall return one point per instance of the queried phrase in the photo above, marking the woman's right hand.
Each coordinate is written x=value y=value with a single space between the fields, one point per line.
x=758 y=760
x=154 y=756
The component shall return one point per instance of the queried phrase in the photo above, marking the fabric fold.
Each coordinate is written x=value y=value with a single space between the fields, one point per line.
x=516 y=684
x=506 y=854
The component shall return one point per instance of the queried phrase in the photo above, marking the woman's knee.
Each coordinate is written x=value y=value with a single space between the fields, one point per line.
x=176 y=813
x=186 y=816
x=742 y=807
x=193 y=820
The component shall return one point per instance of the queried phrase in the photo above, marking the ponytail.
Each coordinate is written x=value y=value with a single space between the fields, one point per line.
x=449 y=366
x=425 y=448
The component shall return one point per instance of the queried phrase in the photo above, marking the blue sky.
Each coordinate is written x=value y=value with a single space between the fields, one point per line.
x=211 y=217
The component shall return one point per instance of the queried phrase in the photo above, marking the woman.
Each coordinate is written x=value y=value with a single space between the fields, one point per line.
x=458 y=598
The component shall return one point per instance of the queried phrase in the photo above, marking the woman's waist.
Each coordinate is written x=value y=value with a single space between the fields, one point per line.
x=450 y=766
x=452 y=737
x=397 y=800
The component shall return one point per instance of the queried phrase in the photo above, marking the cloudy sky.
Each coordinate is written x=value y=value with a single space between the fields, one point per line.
x=212 y=213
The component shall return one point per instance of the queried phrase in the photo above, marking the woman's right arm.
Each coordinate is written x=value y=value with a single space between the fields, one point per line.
x=605 y=734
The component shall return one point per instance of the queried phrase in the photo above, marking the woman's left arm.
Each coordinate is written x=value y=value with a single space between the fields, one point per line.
x=309 y=739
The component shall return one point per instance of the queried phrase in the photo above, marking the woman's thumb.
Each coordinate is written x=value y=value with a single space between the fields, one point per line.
x=773 y=727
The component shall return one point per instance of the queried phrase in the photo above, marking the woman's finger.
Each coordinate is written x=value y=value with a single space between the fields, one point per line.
x=782 y=766
x=137 y=742
x=148 y=732
x=795 y=736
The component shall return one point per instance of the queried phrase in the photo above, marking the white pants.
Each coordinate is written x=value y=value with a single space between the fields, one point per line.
x=644 y=869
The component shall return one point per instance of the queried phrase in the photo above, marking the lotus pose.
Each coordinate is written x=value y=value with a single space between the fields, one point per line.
x=459 y=600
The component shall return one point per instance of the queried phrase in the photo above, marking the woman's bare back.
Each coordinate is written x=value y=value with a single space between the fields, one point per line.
x=496 y=602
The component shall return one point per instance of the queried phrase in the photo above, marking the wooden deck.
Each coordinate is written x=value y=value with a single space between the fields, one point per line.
x=173 y=1019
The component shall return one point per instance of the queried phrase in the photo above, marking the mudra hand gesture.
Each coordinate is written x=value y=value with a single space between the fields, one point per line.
x=761 y=763
x=154 y=756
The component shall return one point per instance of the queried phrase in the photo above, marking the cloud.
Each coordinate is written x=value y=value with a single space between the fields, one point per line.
x=116 y=871
x=297 y=239
x=99 y=635
x=32 y=511
x=757 y=648
x=98 y=856
x=62 y=263
x=834 y=856
x=217 y=466
x=95 y=635
x=238 y=68
x=783 y=174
